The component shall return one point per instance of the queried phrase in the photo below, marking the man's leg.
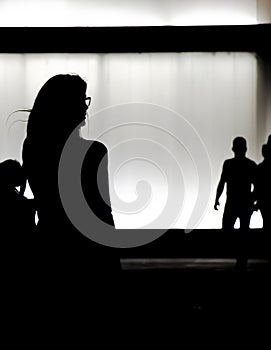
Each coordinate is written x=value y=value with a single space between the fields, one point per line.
x=229 y=218
x=243 y=237
x=266 y=215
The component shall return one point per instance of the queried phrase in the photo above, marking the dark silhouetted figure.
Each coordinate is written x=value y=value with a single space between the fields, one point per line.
x=239 y=174
x=263 y=187
x=17 y=225
x=68 y=260
x=17 y=212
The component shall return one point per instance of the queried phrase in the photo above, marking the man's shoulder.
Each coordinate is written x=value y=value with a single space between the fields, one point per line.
x=251 y=162
x=264 y=165
x=228 y=161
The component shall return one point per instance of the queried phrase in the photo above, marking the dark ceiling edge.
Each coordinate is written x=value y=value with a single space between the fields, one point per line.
x=249 y=38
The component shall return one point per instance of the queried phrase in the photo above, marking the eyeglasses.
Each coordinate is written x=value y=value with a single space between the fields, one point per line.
x=88 y=101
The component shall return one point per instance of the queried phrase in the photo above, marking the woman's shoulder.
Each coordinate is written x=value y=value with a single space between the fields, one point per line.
x=95 y=145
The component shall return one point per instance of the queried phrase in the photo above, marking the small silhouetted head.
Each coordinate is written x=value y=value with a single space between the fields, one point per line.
x=266 y=151
x=269 y=140
x=239 y=146
x=59 y=107
x=11 y=174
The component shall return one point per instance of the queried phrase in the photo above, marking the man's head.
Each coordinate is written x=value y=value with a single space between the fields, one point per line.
x=266 y=151
x=11 y=174
x=239 y=146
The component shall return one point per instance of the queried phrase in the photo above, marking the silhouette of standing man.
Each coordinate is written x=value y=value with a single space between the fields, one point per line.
x=263 y=187
x=239 y=174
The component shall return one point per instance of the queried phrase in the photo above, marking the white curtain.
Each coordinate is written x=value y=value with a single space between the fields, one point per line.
x=167 y=118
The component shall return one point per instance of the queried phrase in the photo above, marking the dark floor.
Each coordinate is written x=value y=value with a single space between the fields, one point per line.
x=177 y=282
x=192 y=264
x=196 y=276
x=198 y=288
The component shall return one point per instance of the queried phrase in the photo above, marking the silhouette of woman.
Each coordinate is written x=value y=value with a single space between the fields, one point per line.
x=64 y=253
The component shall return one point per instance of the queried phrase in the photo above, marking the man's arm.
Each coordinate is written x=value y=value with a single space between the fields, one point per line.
x=220 y=188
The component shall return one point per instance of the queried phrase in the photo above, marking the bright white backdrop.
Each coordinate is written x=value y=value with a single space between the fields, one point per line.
x=214 y=92
x=62 y=13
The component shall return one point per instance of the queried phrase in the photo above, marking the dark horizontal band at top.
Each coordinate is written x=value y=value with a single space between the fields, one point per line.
x=249 y=38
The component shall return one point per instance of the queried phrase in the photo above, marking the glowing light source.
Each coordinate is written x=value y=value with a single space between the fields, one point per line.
x=213 y=17
x=95 y=13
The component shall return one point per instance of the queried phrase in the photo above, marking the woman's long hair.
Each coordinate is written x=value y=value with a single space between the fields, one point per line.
x=55 y=110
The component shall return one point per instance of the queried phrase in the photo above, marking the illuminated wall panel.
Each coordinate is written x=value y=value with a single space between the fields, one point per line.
x=264 y=11
x=62 y=13
x=158 y=98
